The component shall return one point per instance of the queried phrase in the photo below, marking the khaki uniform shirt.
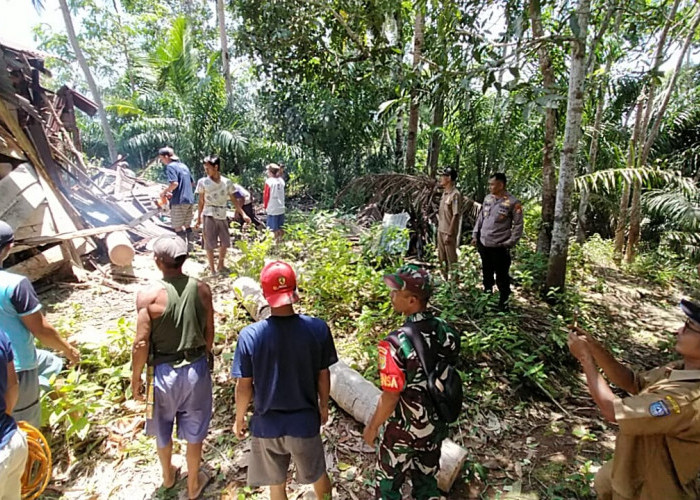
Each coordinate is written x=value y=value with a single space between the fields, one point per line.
x=657 y=454
x=500 y=221
x=450 y=205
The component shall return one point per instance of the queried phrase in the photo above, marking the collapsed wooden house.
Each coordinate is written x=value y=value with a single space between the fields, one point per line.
x=59 y=209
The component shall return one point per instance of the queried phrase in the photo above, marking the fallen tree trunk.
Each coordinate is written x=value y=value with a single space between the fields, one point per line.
x=121 y=251
x=357 y=396
x=350 y=390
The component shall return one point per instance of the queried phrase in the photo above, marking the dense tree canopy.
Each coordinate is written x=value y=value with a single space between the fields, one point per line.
x=338 y=89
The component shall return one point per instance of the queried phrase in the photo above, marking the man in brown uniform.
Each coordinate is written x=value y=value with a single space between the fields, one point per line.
x=449 y=221
x=175 y=335
x=657 y=452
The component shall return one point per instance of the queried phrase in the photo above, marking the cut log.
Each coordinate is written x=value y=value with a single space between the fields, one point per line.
x=248 y=291
x=350 y=390
x=357 y=396
x=35 y=268
x=121 y=251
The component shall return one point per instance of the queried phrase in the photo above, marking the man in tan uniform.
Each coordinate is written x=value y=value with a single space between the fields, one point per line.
x=449 y=220
x=657 y=452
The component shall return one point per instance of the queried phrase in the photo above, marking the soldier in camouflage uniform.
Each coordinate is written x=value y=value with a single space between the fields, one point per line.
x=498 y=228
x=413 y=432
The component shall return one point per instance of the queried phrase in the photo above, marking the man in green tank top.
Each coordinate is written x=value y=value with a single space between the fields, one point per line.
x=174 y=336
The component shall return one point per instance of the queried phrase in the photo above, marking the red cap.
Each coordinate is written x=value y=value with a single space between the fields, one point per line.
x=279 y=284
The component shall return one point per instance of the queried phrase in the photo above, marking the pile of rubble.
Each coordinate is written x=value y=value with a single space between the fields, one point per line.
x=62 y=213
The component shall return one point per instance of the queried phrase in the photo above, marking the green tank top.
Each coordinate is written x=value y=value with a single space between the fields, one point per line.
x=182 y=325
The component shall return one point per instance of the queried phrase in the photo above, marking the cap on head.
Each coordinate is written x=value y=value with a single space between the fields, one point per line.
x=7 y=235
x=273 y=168
x=450 y=172
x=166 y=151
x=411 y=278
x=279 y=284
x=170 y=249
x=691 y=309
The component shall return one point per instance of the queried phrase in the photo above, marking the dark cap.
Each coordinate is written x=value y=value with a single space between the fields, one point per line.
x=166 y=151
x=691 y=309
x=7 y=235
x=412 y=278
x=170 y=249
x=451 y=172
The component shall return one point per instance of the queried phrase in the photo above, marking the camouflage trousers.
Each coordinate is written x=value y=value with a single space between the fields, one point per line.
x=397 y=459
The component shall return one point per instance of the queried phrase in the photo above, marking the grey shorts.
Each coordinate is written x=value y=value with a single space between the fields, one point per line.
x=269 y=460
x=28 y=407
x=181 y=215
x=215 y=233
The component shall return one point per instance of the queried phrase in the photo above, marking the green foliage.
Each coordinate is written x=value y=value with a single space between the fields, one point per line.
x=98 y=383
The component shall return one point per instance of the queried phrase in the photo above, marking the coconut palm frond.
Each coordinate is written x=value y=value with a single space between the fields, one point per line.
x=686 y=243
x=124 y=107
x=676 y=207
x=416 y=194
x=229 y=140
x=176 y=59
x=608 y=180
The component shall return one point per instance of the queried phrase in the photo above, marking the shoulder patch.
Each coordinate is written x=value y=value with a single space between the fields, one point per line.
x=673 y=404
x=391 y=376
x=518 y=207
x=659 y=409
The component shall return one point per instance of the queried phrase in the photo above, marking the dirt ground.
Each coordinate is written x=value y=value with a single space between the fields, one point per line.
x=515 y=451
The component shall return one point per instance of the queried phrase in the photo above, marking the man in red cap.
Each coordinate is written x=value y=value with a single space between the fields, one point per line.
x=287 y=357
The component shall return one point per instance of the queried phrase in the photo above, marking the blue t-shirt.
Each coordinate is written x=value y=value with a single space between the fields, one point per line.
x=18 y=299
x=283 y=355
x=7 y=423
x=183 y=193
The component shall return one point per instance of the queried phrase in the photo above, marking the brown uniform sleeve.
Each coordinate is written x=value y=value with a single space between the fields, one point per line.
x=666 y=410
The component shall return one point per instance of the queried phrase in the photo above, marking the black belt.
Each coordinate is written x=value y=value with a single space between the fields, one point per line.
x=190 y=355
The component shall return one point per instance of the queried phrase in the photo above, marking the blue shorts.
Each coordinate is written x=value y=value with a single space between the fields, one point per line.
x=275 y=222
x=182 y=394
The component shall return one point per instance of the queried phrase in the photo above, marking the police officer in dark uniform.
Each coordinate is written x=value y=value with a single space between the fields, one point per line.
x=498 y=228
x=656 y=450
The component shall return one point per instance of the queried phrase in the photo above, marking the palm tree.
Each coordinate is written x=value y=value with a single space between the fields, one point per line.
x=109 y=138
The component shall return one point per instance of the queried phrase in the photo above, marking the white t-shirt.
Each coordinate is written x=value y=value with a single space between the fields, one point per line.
x=275 y=205
x=241 y=192
x=216 y=196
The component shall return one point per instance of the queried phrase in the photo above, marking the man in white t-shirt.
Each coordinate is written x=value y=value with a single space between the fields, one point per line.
x=273 y=200
x=214 y=193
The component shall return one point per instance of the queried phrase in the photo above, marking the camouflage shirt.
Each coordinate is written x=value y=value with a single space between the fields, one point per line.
x=415 y=421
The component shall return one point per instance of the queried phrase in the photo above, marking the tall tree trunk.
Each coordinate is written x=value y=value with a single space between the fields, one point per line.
x=549 y=176
x=582 y=218
x=556 y=271
x=125 y=48
x=634 y=234
x=109 y=138
x=398 y=75
x=635 y=221
x=221 y=14
x=625 y=198
x=436 y=136
x=411 y=139
x=398 y=146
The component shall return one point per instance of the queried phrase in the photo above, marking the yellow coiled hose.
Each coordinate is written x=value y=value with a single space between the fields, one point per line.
x=37 y=472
